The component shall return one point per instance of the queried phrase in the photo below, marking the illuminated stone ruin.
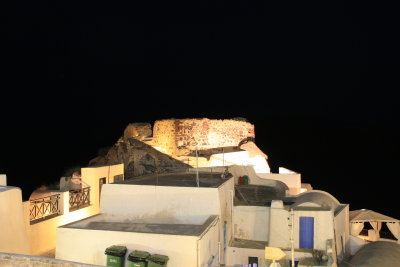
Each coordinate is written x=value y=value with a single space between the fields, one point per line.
x=182 y=136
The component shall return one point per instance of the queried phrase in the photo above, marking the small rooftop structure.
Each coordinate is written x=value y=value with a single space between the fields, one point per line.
x=360 y=218
x=365 y=215
x=260 y=195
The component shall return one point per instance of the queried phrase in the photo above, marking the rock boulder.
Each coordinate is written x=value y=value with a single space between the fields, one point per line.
x=138 y=158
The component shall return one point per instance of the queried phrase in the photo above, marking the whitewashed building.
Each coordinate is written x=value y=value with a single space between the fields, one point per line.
x=161 y=213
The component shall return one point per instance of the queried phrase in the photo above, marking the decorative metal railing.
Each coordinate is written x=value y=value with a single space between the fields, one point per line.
x=44 y=208
x=79 y=198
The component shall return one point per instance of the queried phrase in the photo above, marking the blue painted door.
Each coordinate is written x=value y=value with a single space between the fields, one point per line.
x=306 y=232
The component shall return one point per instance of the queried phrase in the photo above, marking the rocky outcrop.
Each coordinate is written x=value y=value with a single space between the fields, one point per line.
x=138 y=130
x=138 y=158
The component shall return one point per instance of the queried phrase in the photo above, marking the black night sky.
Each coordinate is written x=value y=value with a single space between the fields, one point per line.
x=317 y=79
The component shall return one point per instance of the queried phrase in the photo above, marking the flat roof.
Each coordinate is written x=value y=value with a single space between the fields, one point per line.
x=93 y=223
x=7 y=188
x=185 y=179
x=258 y=195
x=245 y=243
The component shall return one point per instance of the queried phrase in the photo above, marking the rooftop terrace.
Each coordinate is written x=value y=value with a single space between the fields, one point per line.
x=98 y=223
x=258 y=195
x=184 y=179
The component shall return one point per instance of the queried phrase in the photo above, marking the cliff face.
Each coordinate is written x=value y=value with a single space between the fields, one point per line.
x=138 y=158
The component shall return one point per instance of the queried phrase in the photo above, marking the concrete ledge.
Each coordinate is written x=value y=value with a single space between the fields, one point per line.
x=17 y=260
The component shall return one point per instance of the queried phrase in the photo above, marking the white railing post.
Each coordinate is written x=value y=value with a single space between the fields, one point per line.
x=64 y=202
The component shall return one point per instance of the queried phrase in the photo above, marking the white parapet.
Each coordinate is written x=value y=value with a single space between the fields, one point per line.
x=3 y=180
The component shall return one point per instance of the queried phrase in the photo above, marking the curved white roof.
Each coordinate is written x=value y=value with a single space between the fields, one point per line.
x=322 y=198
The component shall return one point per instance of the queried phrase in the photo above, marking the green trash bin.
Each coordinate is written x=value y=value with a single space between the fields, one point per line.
x=157 y=260
x=138 y=258
x=116 y=256
x=246 y=179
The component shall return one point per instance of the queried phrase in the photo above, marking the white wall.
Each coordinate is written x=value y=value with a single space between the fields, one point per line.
x=190 y=204
x=342 y=232
x=92 y=175
x=88 y=246
x=3 y=180
x=280 y=230
x=226 y=193
x=279 y=233
x=251 y=222
x=13 y=232
x=292 y=180
x=241 y=158
x=208 y=246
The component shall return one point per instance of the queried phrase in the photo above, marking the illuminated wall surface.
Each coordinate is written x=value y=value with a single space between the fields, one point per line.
x=13 y=237
x=190 y=250
x=186 y=204
x=23 y=236
x=177 y=136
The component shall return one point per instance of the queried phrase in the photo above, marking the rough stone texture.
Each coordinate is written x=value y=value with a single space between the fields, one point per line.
x=138 y=130
x=18 y=260
x=138 y=158
x=181 y=136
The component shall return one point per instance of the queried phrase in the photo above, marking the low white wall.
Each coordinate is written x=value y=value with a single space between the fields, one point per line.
x=293 y=181
x=3 y=180
x=13 y=232
x=251 y=222
x=88 y=246
x=241 y=158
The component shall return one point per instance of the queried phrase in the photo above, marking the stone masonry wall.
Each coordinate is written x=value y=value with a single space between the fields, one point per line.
x=164 y=135
x=180 y=136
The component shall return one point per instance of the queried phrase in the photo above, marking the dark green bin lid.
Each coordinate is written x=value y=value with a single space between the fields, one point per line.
x=157 y=258
x=138 y=255
x=119 y=251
